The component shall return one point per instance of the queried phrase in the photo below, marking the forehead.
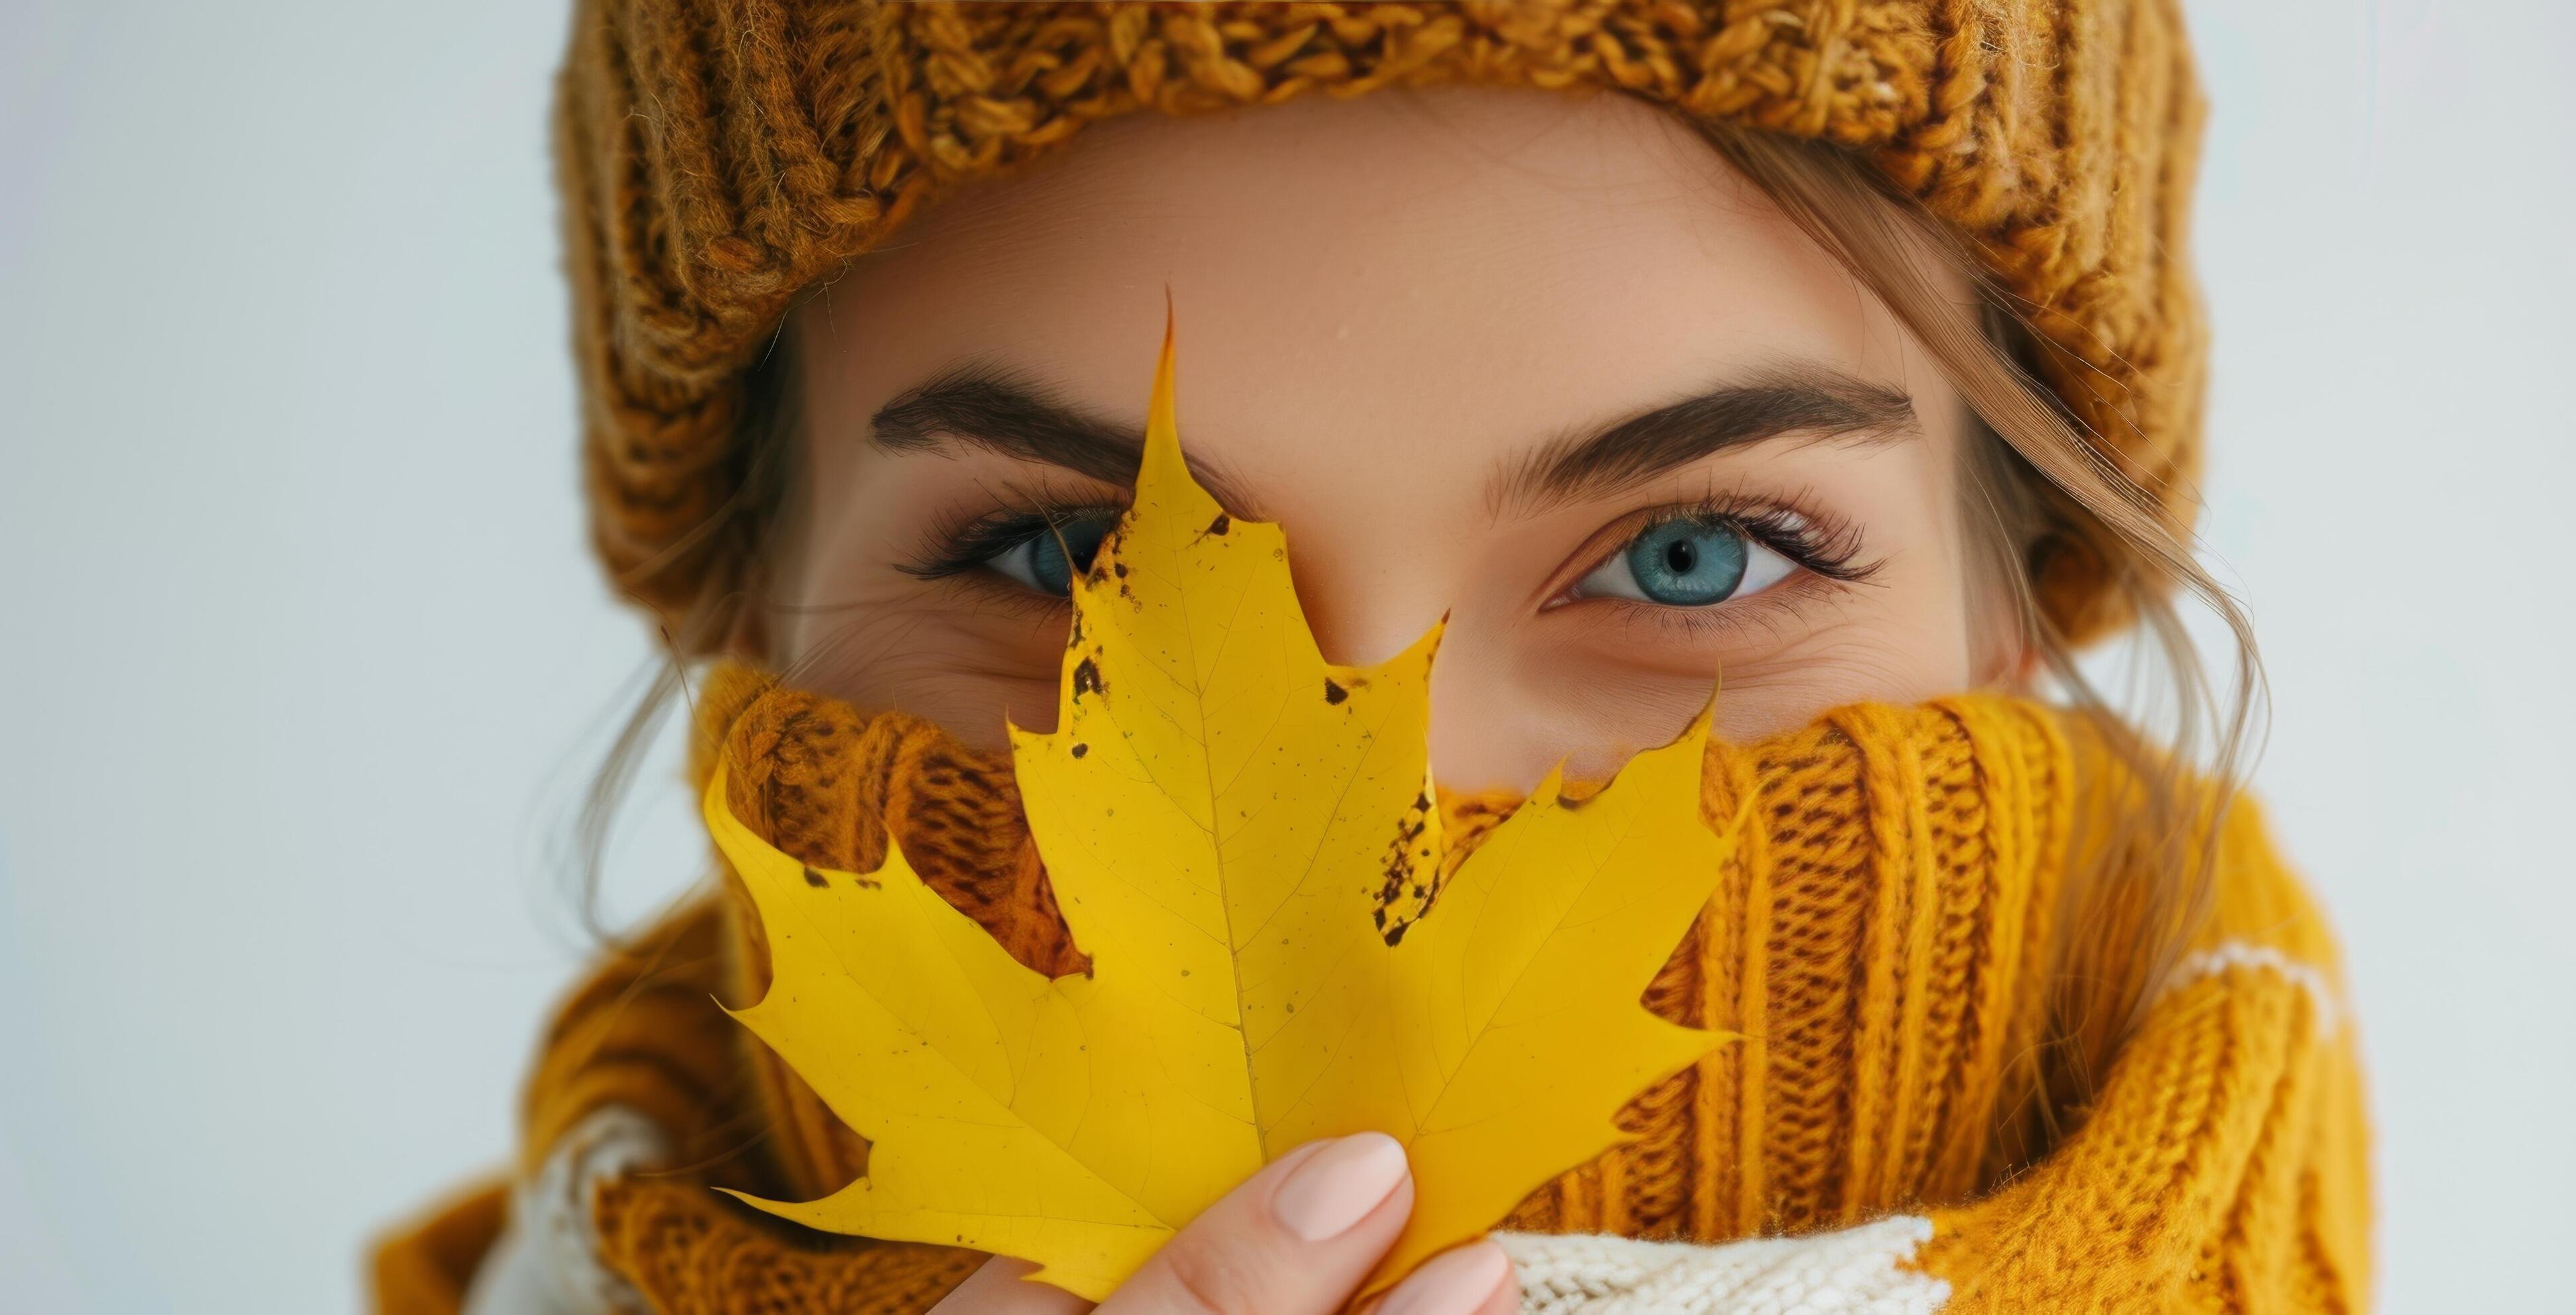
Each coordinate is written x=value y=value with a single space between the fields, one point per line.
x=1442 y=262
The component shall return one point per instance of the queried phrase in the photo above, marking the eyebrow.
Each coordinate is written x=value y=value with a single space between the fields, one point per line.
x=1008 y=413
x=1807 y=399
x=1011 y=414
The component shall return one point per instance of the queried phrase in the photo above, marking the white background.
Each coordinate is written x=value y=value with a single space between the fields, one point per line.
x=302 y=660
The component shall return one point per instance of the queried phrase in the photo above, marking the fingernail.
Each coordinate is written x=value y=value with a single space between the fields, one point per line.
x=1337 y=1186
x=1452 y=1283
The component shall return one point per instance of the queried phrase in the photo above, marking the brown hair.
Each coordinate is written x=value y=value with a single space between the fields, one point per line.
x=2035 y=488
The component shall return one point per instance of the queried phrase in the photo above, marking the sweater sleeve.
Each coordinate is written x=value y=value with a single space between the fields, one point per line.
x=642 y=1048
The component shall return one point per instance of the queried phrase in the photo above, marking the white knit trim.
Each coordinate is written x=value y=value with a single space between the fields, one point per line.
x=551 y=1211
x=2227 y=955
x=1863 y=1270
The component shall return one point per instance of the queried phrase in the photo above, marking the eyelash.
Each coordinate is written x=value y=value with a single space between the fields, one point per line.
x=963 y=544
x=1824 y=546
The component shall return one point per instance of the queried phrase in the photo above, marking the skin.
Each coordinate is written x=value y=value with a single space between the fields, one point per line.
x=1402 y=320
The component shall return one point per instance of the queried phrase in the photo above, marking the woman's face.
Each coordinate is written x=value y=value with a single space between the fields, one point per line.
x=1547 y=366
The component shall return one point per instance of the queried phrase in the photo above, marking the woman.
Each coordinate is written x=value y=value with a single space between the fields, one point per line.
x=1848 y=351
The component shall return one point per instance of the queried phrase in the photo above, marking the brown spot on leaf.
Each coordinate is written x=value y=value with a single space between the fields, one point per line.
x=815 y=879
x=1081 y=749
x=1333 y=692
x=1086 y=679
x=1408 y=884
x=1220 y=525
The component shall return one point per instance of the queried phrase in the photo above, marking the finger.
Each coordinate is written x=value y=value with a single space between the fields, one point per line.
x=1001 y=1287
x=1475 y=1279
x=1294 y=1239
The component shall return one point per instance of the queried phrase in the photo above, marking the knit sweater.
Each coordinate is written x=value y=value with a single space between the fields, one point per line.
x=1893 y=1132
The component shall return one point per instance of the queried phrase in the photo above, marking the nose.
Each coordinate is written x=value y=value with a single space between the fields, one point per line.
x=1370 y=595
x=1365 y=596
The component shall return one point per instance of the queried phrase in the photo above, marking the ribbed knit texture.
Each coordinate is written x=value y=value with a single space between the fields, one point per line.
x=1881 y=942
x=717 y=157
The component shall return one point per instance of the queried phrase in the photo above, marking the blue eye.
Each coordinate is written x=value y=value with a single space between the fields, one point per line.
x=1047 y=560
x=1687 y=562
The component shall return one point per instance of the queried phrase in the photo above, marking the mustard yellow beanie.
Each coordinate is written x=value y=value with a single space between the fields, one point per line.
x=720 y=156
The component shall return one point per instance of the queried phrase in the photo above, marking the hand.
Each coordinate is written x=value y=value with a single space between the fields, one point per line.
x=1296 y=1238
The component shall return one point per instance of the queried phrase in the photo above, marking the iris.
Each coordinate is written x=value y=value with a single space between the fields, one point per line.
x=1687 y=563
x=1055 y=554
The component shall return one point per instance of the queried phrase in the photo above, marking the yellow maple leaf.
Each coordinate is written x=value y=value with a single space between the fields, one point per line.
x=1243 y=840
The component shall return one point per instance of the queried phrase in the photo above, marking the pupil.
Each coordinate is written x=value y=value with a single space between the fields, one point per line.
x=1681 y=557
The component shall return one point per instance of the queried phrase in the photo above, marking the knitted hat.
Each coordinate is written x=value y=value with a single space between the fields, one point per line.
x=718 y=158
